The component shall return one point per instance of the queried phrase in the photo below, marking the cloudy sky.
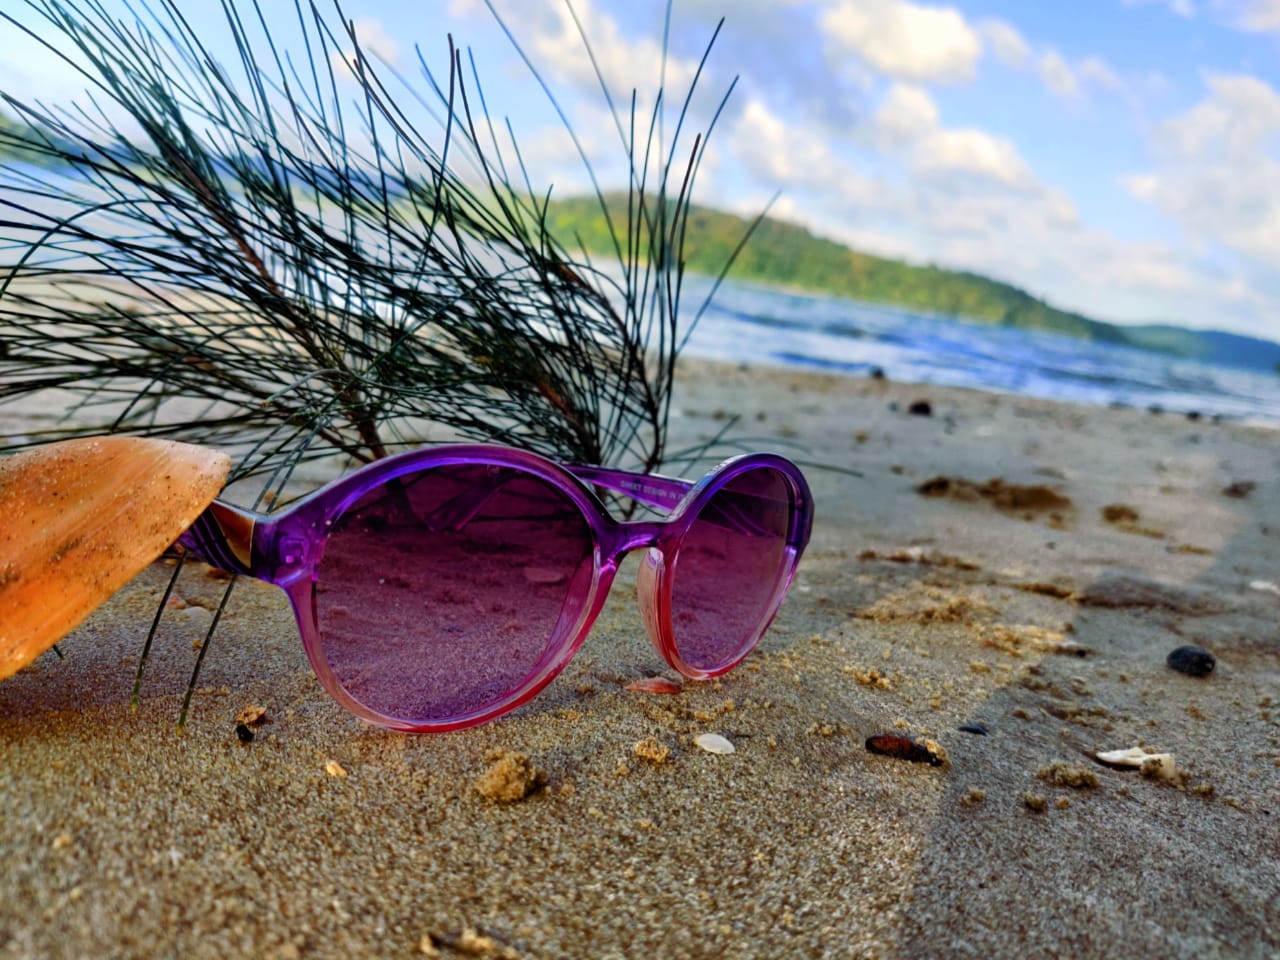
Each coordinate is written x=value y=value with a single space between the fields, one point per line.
x=1118 y=157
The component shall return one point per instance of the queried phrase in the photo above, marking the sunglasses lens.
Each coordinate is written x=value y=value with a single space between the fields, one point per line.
x=447 y=592
x=731 y=569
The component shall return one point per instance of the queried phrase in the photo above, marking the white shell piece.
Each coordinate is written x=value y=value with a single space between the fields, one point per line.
x=1266 y=586
x=1160 y=765
x=713 y=743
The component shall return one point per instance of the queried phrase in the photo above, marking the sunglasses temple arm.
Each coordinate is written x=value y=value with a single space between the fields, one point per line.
x=648 y=488
x=222 y=536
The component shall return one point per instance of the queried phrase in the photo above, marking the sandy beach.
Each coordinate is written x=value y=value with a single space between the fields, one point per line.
x=1004 y=565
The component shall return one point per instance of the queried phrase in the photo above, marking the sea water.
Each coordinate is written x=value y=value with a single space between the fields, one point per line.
x=752 y=324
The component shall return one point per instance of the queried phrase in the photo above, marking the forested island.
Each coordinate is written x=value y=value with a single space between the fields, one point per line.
x=787 y=255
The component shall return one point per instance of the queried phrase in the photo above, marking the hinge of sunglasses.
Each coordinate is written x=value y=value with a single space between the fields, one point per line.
x=229 y=544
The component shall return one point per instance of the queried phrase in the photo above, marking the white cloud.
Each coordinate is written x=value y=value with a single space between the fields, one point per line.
x=905 y=115
x=374 y=43
x=1216 y=170
x=903 y=40
x=778 y=152
x=975 y=153
x=1096 y=71
x=1073 y=80
x=549 y=34
x=1005 y=42
x=1183 y=8
x=1057 y=76
x=1239 y=117
x=1258 y=16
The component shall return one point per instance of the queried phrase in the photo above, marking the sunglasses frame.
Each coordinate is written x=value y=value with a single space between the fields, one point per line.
x=285 y=549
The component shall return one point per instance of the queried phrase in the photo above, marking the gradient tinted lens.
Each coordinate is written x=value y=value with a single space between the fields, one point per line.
x=729 y=569
x=445 y=592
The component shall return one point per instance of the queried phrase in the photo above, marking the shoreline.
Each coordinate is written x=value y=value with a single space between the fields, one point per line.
x=913 y=615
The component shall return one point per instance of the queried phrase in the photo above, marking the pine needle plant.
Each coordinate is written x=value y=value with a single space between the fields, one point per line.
x=277 y=260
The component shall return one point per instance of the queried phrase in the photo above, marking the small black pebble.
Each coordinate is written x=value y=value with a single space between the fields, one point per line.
x=1238 y=489
x=920 y=408
x=1193 y=414
x=977 y=728
x=1191 y=660
x=244 y=732
x=877 y=373
x=1155 y=408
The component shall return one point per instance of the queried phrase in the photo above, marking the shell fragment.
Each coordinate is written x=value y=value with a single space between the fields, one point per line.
x=714 y=743
x=1160 y=766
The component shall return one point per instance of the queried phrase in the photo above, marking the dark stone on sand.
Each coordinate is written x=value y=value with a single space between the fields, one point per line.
x=1239 y=489
x=1193 y=415
x=244 y=732
x=877 y=373
x=974 y=728
x=920 y=408
x=1120 y=591
x=1155 y=408
x=1192 y=660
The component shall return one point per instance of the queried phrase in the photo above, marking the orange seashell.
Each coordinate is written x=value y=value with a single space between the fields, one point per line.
x=79 y=518
x=654 y=685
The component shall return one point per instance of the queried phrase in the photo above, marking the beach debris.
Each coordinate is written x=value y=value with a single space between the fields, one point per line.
x=1157 y=766
x=1266 y=586
x=1239 y=489
x=1192 y=660
x=1118 y=591
x=868 y=678
x=877 y=373
x=1036 y=802
x=823 y=728
x=714 y=743
x=1017 y=639
x=248 y=719
x=924 y=603
x=1055 y=590
x=252 y=715
x=1127 y=519
x=974 y=728
x=652 y=750
x=1010 y=497
x=1119 y=513
x=81 y=518
x=658 y=685
x=973 y=796
x=470 y=942
x=904 y=748
x=1062 y=774
x=920 y=408
x=334 y=769
x=930 y=558
x=510 y=777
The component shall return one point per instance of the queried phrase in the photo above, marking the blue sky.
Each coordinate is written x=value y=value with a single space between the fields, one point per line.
x=1117 y=157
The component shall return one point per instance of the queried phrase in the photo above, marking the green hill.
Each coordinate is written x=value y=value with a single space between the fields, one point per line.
x=784 y=254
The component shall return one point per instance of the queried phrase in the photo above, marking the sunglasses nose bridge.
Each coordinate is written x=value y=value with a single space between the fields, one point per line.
x=653 y=537
x=637 y=535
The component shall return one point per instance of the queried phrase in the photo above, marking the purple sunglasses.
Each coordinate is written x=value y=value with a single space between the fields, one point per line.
x=438 y=589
